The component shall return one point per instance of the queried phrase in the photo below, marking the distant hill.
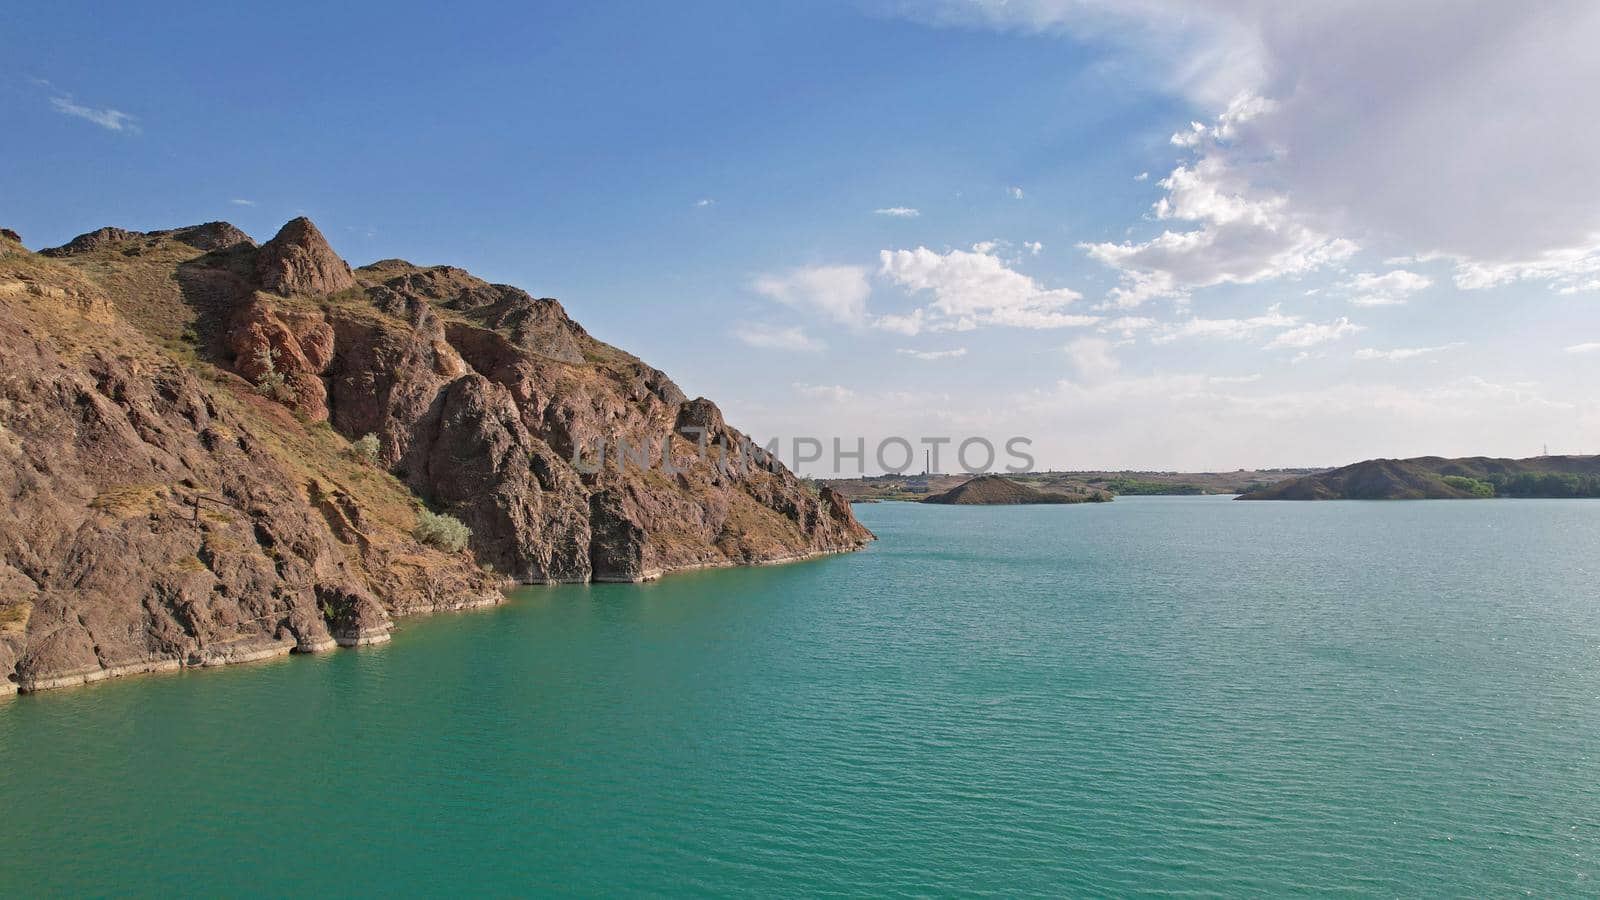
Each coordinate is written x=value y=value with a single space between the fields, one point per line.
x=993 y=490
x=1438 y=478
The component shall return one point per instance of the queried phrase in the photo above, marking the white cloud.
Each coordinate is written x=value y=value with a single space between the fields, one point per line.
x=1092 y=358
x=828 y=393
x=1240 y=239
x=1567 y=270
x=1466 y=99
x=1142 y=176
x=772 y=337
x=899 y=212
x=1588 y=347
x=1227 y=329
x=107 y=118
x=1311 y=334
x=1014 y=193
x=1403 y=352
x=1033 y=247
x=972 y=289
x=1128 y=325
x=704 y=202
x=838 y=293
x=934 y=354
x=239 y=201
x=1388 y=289
x=910 y=324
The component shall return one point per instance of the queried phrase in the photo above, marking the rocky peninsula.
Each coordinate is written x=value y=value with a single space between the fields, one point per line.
x=997 y=490
x=214 y=451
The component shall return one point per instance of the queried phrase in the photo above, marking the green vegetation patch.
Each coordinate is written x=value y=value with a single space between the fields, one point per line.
x=1471 y=485
x=445 y=532
x=1134 y=487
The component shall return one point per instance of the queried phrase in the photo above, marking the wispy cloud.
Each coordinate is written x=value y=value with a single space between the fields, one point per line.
x=1093 y=358
x=1407 y=352
x=240 y=201
x=107 y=118
x=1589 y=347
x=1014 y=193
x=704 y=202
x=833 y=292
x=1388 y=289
x=899 y=212
x=1226 y=329
x=829 y=393
x=1129 y=325
x=934 y=354
x=1312 y=334
x=772 y=337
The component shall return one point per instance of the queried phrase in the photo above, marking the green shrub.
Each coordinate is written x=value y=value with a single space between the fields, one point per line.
x=366 y=447
x=442 y=531
x=1471 y=485
x=271 y=384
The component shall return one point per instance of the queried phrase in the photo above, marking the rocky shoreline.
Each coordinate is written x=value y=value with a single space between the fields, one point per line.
x=238 y=655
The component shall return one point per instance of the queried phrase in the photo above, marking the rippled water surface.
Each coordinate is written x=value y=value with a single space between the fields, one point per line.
x=1157 y=694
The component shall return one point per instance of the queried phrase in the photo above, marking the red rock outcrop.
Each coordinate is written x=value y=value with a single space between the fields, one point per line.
x=284 y=354
x=300 y=261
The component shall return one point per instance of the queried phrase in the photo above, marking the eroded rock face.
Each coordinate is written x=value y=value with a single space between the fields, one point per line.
x=105 y=462
x=477 y=459
x=285 y=354
x=300 y=261
x=527 y=410
x=153 y=520
x=156 y=519
x=538 y=326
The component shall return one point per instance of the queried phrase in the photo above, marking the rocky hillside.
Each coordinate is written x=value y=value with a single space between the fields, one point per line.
x=995 y=490
x=214 y=451
x=1438 y=478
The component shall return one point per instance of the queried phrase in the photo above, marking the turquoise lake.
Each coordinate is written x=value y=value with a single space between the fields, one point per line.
x=1155 y=695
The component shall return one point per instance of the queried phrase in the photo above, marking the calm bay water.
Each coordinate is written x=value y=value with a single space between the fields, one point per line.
x=1157 y=694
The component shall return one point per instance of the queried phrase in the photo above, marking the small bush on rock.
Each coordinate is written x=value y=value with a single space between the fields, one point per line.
x=365 y=448
x=442 y=531
x=271 y=384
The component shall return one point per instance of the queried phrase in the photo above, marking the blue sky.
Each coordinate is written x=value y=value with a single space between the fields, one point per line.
x=1160 y=235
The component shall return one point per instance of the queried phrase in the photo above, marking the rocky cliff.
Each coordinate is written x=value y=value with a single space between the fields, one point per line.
x=183 y=448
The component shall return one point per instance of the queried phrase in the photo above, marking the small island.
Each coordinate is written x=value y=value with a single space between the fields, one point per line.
x=995 y=490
